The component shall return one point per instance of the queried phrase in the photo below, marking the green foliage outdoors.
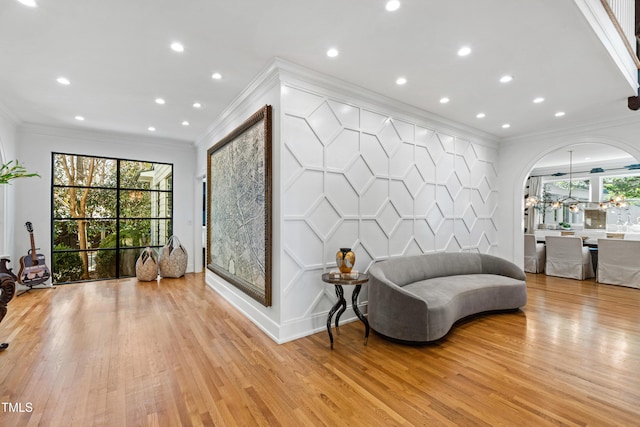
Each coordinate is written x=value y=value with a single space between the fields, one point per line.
x=106 y=259
x=67 y=266
x=89 y=197
x=628 y=186
x=576 y=184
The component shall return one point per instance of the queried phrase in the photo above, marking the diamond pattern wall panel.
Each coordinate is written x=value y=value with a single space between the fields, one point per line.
x=381 y=185
x=324 y=123
x=302 y=142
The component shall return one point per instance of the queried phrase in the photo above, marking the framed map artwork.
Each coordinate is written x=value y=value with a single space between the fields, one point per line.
x=239 y=207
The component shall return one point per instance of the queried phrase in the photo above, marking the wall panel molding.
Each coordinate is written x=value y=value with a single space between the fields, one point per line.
x=375 y=182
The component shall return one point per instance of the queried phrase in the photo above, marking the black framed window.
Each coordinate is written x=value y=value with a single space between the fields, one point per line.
x=105 y=210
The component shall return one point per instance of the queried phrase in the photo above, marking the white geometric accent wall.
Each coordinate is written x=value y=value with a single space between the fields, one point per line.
x=383 y=186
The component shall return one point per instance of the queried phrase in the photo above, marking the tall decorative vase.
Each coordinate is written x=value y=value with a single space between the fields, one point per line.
x=345 y=260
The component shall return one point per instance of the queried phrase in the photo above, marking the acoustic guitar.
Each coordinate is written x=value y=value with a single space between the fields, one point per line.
x=33 y=269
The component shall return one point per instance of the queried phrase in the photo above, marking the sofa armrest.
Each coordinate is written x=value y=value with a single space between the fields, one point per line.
x=395 y=312
x=495 y=265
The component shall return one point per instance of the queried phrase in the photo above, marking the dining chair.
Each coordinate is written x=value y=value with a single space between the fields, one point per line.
x=567 y=257
x=619 y=262
x=534 y=254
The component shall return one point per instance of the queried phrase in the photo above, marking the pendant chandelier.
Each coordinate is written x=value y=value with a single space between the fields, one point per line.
x=574 y=204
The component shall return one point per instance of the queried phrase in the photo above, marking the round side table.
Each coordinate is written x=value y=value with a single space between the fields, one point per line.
x=341 y=305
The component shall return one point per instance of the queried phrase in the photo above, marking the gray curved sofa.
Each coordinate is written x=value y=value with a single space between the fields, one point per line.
x=419 y=298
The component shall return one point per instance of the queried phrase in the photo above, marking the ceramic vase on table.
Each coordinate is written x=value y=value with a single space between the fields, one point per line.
x=345 y=260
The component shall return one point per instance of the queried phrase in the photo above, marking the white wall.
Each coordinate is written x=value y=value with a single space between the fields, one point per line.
x=33 y=201
x=8 y=129
x=362 y=173
x=517 y=157
x=353 y=168
x=264 y=90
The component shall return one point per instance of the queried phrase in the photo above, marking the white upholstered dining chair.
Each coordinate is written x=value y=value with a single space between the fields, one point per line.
x=566 y=257
x=534 y=254
x=619 y=262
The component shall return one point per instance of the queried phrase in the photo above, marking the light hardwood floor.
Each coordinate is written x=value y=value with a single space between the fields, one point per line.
x=122 y=353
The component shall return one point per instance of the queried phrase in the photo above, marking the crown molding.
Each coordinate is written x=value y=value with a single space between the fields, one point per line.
x=261 y=84
x=280 y=71
x=590 y=126
x=104 y=136
x=9 y=115
x=302 y=77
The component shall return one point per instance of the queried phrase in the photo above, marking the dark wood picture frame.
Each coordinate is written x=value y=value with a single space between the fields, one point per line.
x=239 y=193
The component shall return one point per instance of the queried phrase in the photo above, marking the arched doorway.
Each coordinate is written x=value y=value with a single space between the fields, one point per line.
x=518 y=159
x=569 y=187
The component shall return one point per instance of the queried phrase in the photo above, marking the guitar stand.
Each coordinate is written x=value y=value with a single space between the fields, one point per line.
x=33 y=288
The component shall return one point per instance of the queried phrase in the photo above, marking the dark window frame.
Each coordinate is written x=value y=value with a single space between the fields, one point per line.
x=117 y=219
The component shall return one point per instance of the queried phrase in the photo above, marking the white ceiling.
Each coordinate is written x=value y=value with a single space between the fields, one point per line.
x=116 y=55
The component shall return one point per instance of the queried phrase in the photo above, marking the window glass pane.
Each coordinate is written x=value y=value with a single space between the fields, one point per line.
x=128 y=258
x=99 y=233
x=137 y=204
x=161 y=204
x=627 y=186
x=144 y=175
x=83 y=171
x=98 y=203
x=136 y=232
x=132 y=210
x=65 y=234
x=67 y=265
x=103 y=264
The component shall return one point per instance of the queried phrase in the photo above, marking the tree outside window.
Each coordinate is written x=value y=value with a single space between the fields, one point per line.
x=103 y=215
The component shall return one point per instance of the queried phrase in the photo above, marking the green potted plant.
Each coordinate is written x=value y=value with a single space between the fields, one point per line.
x=12 y=170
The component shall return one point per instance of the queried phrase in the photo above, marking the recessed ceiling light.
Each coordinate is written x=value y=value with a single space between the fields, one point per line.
x=506 y=79
x=63 y=81
x=151 y=129
x=197 y=105
x=332 y=53
x=538 y=100
x=216 y=76
x=392 y=5
x=464 y=51
x=177 y=47
x=79 y=118
x=506 y=126
x=160 y=101
x=560 y=114
x=481 y=115
x=444 y=100
x=185 y=123
x=30 y=3
x=401 y=81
